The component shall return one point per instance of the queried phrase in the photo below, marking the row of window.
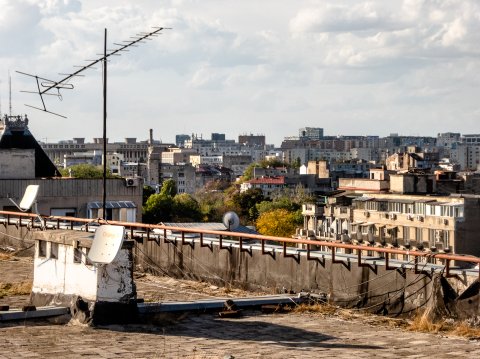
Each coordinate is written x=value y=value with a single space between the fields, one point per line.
x=422 y=208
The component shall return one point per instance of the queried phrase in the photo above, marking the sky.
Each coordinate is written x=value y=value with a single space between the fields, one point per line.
x=268 y=67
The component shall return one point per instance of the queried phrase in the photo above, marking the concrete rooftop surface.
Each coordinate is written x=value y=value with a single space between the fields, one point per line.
x=254 y=335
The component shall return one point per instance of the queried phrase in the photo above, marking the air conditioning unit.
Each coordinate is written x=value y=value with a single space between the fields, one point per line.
x=420 y=218
x=445 y=221
x=131 y=182
x=366 y=213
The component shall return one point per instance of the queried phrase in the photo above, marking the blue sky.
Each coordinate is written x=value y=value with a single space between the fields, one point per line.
x=263 y=67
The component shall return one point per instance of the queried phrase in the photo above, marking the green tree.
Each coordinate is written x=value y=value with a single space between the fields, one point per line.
x=278 y=222
x=85 y=171
x=147 y=192
x=158 y=208
x=248 y=173
x=274 y=162
x=297 y=163
x=243 y=203
x=212 y=205
x=283 y=202
x=169 y=188
x=186 y=208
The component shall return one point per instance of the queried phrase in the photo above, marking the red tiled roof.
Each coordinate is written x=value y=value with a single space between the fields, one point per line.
x=268 y=180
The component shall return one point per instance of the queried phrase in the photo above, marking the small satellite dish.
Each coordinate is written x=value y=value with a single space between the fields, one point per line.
x=29 y=198
x=231 y=220
x=106 y=244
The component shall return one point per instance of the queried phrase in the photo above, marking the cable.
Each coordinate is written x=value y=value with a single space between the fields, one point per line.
x=154 y=266
x=342 y=290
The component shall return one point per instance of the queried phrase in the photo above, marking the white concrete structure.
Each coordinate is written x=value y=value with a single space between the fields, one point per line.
x=62 y=271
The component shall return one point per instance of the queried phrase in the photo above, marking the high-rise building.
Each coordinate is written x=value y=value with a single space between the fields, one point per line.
x=218 y=137
x=311 y=133
x=180 y=140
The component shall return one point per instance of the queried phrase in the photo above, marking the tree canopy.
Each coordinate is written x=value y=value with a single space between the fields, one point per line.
x=244 y=203
x=158 y=208
x=169 y=188
x=85 y=171
x=186 y=208
x=279 y=222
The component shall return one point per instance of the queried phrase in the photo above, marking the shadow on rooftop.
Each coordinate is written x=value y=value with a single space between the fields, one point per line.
x=209 y=327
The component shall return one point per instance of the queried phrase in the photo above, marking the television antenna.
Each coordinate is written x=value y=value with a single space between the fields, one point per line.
x=46 y=86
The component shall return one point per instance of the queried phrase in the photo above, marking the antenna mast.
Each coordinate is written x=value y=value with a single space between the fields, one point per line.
x=45 y=86
x=104 y=198
x=10 y=92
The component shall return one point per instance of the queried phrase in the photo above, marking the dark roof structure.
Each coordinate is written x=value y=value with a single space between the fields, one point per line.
x=211 y=226
x=17 y=135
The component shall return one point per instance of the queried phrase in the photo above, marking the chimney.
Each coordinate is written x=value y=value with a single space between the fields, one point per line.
x=151 y=136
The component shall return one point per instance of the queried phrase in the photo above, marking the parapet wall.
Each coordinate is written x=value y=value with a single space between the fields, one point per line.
x=377 y=289
x=393 y=292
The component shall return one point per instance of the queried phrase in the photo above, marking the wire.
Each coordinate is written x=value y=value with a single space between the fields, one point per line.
x=154 y=266
x=343 y=290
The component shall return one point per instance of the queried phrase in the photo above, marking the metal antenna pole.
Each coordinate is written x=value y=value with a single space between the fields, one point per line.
x=104 y=206
x=10 y=92
x=46 y=86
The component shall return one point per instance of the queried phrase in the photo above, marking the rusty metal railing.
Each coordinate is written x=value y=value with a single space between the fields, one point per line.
x=70 y=222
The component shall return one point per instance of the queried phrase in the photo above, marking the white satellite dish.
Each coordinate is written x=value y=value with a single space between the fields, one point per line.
x=106 y=244
x=231 y=220
x=29 y=200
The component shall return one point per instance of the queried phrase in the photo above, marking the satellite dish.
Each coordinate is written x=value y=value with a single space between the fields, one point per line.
x=28 y=199
x=231 y=220
x=106 y=244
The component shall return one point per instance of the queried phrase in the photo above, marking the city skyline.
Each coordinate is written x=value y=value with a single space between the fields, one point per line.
x=350 y=67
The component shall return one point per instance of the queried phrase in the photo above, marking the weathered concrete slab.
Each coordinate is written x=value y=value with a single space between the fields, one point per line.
x=41 y=312
x=217 y=304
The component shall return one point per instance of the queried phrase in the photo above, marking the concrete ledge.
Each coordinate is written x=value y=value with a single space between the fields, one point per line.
x=216 y=304
x=42 y=312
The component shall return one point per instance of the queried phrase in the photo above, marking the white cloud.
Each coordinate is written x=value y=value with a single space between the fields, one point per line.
x=351 y=66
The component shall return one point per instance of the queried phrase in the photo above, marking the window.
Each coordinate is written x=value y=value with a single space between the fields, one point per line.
x=418 y=234
x=42 y=249
x=420 y=208
x=53 y=250
x=77 y=255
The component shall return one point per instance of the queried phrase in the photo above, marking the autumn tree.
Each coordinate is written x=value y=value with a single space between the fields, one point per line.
x=278 y=222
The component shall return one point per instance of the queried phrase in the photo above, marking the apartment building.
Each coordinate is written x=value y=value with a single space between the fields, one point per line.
x=446 y=224
x=130 y=148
